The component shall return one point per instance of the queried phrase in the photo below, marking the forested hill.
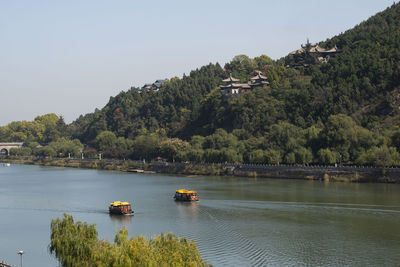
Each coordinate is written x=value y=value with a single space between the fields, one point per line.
x=169 y=109
x=364 y=79
x=361 y=82
x=342 y=108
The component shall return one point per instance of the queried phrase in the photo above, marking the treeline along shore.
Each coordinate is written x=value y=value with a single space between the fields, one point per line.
x=358 y=174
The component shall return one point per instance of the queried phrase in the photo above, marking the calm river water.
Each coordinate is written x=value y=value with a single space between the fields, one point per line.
x=237 y=222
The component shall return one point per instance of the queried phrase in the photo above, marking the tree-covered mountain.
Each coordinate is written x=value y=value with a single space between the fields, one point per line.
x=364 y=79
x=167 y=110
x=340 y=109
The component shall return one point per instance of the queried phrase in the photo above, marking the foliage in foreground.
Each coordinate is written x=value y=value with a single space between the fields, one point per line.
x=76 y=244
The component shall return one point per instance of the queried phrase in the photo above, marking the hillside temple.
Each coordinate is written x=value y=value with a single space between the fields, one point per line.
x=323 y=54
x=233 y=87
x=153 y=86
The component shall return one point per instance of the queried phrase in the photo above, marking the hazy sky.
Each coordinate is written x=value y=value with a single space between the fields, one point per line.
x=69 y=57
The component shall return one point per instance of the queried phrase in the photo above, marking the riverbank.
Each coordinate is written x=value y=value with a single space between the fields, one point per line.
x=320 y=173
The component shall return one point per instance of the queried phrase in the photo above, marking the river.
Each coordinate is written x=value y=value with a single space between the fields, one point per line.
x=237 y=222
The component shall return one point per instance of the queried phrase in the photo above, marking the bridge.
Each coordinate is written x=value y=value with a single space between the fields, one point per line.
x=5 y=147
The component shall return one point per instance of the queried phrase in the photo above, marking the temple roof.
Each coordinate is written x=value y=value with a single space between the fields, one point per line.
x=258 y=77
x=301 y=50
x=332 y=50
x=315 y=49
x=236 y=85
x=256 y=84
x=243 y=85
x=231 y=79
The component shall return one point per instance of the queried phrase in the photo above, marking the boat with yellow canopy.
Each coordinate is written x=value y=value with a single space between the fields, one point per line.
x=120 y=208
x=186 y=195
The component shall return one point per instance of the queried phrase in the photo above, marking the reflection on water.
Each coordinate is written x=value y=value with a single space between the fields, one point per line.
x=121 y=220
x=187 y=210
x=237 y=222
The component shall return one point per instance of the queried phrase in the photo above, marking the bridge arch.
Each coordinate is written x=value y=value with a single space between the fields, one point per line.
x=5 y=147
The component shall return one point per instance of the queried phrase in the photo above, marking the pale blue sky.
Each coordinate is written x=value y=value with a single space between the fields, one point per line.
x=69 y=57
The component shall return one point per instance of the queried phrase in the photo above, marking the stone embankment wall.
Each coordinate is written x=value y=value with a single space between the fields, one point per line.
x=322 y=173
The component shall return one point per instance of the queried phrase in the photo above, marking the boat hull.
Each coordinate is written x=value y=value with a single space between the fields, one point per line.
x=120 y=210
x=196 y=198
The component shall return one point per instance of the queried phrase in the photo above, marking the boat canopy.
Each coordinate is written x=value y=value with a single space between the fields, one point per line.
x=119 y=203
x=184 y=191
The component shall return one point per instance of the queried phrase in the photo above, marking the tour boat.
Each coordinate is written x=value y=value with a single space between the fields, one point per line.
x=120 y=208
x=7 y=164
x=186 y=195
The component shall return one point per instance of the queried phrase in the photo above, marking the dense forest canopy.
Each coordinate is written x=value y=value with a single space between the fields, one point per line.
x=342 y=109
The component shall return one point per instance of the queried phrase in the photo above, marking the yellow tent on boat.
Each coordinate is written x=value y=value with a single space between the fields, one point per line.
x=119 y=203
x=182 y=191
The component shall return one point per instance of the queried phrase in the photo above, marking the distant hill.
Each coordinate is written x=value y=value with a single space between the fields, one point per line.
x=362 y=81
x=170 y=108
x=337 y=101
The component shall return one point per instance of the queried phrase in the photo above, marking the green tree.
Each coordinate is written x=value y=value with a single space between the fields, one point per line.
x=170 y=148
x=106 y=140
x=257 y=156
x=64 y=147
x=72 y=243
x=193 y=155
x=18 y=137
x=326 y=156
x=146 y=146
x=76 y=244
x=380 y=156
x=303 y=155
x=46 y=151
x=22 y=151
x=337 y=134
x=242 y=67
x=395 y=138
x=273 y=156
x=290 y=158
x=263 y=61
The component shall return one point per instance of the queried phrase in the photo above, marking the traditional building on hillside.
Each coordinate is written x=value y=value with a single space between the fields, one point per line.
x=323 y=54
x=147 y=87
x=233 y=87
x=153 y=86
x=258 y=80
x=158 y=83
